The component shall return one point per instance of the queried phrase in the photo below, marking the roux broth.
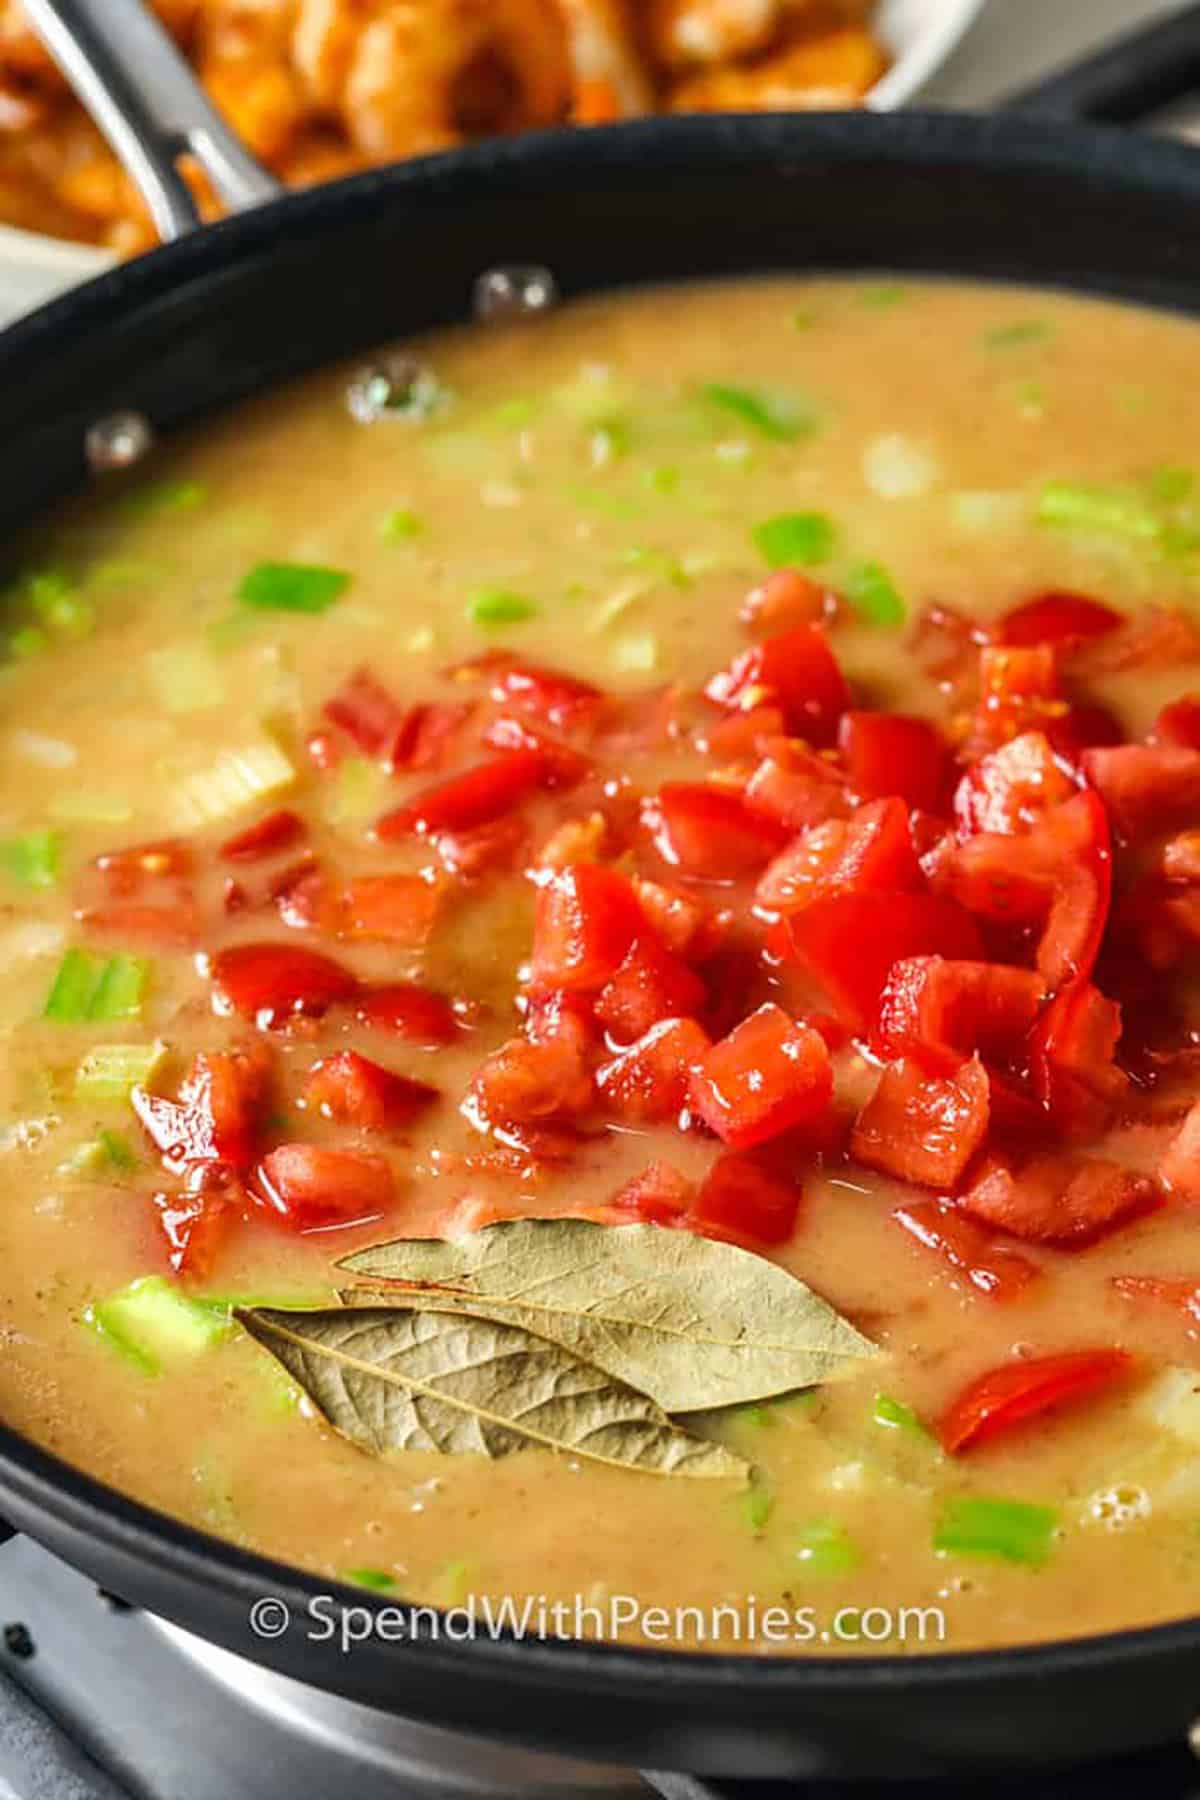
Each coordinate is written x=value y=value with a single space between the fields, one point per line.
x=575 y=467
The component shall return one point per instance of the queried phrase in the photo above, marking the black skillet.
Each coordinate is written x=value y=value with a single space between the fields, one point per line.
x=315 y=276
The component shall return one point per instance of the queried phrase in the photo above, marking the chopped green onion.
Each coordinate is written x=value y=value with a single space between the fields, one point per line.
x=885 y=293
x=292 y=587
x=27 y=641
x=378 y=1579
x=70 y=997
x=151 y=1322
x=185 y=678
x=120 y=989
x=800 y=537
x=112 y=1071
x=166 y=497
x=499 y=606
x=824 y=1548
x=893 y=1415
x=776 y=415
x=872 y=593
x=89 y=987
x=663 y=479
x=600 y=500
x=661 y=564
x=1170 y=484
x=1088 y=507
x=400 y=526
x=1008 y=1529
x=1021 y=331
x=33 y=860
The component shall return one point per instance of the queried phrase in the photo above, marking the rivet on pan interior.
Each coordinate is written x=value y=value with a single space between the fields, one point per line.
x=118 y=441
x=519 y=292
x=400 y=387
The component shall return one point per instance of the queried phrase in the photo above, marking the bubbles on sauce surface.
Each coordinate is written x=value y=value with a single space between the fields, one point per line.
x=399 y=387
x=1120 y=1506
x=520 y=291
x=118 y=441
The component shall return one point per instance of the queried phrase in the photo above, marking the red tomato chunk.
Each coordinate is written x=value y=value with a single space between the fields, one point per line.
x=923 y=1128
x=310 y=1187
x=1005 y=1397
x=767 y=1076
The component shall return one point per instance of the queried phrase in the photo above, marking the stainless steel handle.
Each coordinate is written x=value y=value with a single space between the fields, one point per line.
x=138 y=88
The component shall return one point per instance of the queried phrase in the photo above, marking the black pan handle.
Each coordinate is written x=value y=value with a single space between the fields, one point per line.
x=1124 y=82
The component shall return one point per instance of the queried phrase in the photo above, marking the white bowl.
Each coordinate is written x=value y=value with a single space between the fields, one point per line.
x=919 y=34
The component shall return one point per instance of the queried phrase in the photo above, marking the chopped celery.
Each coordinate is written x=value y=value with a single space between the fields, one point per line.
x=152 y=1323
x=239 y=776
x=896 y=467
x=756 y=1414
x=884 y=293
x=662 y=479
x=166 y=497
x=1021 y=331
x=1172 y=1402
x=400 y=526
x=53 y=598
x=232 y=631
x=357 y=792
x=292 y=587
x=987 y=509
x=893 y=1415
x=662 y=565
x=90 y=987
x=600 y=500
x=1170 y=484
x=378 y=1579
x=120 y=989
x=107 y=1149
x=1088 y=506
x=112 y=1071
x=27 y=641
x=452 y=1586
x=770 y=411
x=91 y=806
x=756 y=1503
x=874 y=595
x=800 y=537
x=185 y=678
x=824 y=1548
x=636 y=651
x=499 y=606
x=1010 y=1530
x=118 y=1149
x=33 y=860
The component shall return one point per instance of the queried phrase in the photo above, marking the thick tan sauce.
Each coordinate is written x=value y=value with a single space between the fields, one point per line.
x=571 y=468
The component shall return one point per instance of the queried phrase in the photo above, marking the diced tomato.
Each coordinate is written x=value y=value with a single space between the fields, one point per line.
x=142 y=924
x=562 y=1018
x=356 y=1091
x=708 y=831
x=563 y=767
x=744 y=1203
x=889 y=753
x=944 y=644
x=469 y=854
x=367 y=713
x=1179 y=724
x=273 y=833
x=311 y=1187
x=1072 y=1060
x=797 y=671
x=1179 y=1169
x=307 y=900
x=1058 y=1198
x=586 y=920
x=1181 y=1292
x=659 y=1195
x=196 y=1223
x=523 y=1083
x=972 y=1253
x=923 y=1128
x=574 y=841
x=1059 y=618
x=941 y=1012
x=271 y=983
x=785 y=600
x=1017 y=675
x=428 y=734
x=649 y=1080
x=1002 y=1398
x=546 y=693
x=1160 y=637
x=127 y=870
x=650 y=985
x=768 y=1075
x=215 y=1118
x=847 y=942
x=1149 y=789
x=1181 y=857
x=871 y=851
x=395 y=909
x=411 y=1012
x=1011 y=788
x=1079 y=728
x=737 y=736
x=686 y=927
x=795 y=787
x=478 y=796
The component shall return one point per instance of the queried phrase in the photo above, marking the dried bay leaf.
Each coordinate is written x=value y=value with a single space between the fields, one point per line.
x=694 y=1323
x=397 y=1378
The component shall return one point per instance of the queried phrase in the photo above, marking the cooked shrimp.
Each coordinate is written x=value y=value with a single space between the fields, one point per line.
x=608 y=79
x=684 y=32
x=245 y=63
x=834 y=69
x=323 y=44
x=426 y=73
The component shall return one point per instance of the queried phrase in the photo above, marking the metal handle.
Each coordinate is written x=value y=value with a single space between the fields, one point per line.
x=140 y=91
x=1124 y=82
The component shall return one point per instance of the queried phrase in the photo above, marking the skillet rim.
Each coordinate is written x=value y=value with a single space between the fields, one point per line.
x=1104 y=157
